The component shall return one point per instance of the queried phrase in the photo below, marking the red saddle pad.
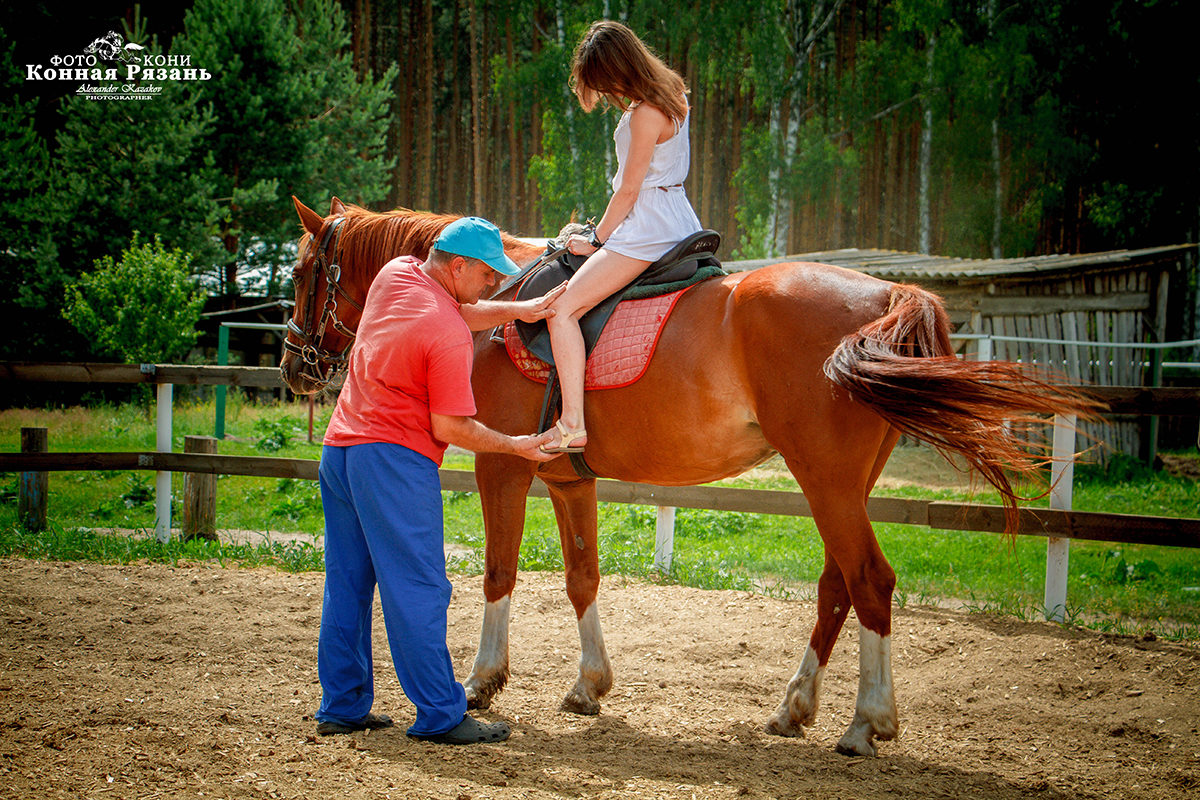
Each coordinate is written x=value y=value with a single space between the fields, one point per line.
x=622 y=352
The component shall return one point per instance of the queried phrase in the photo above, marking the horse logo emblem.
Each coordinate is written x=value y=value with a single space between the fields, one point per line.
x=113 y=47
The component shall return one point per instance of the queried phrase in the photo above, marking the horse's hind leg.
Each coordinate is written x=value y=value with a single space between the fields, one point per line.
x=575 y=508
x=503 y=485
x=875 y=713
x=868 y=581
x=803 y=696
x=802 y=699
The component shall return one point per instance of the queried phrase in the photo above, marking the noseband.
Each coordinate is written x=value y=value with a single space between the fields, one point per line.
x=320 y=365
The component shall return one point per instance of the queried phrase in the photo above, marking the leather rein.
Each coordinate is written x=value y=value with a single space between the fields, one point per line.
x=320 y=365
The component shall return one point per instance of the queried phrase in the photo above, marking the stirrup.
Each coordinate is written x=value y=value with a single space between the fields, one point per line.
x=565 y=438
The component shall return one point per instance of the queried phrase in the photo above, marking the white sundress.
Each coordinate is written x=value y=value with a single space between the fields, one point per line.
x=661 y=216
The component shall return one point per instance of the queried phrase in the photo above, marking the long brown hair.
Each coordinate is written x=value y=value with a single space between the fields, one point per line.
x=612 y=62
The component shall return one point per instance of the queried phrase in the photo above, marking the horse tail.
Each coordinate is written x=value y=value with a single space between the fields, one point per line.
x=903 y=367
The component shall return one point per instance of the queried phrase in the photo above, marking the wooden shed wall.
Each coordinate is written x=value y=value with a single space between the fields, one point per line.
x=1098 y=307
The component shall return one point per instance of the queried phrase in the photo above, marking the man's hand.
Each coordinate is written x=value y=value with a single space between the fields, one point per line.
x=530 y=446
x=539 y=308
x=486 y=314
x=473 y=435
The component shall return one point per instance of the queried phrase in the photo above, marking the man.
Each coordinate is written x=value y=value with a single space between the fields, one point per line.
x=407 y=395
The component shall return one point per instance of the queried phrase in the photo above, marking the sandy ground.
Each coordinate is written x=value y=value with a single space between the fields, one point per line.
x=149 y=681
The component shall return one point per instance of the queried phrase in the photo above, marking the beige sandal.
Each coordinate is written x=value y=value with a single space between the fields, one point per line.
x=566 y=439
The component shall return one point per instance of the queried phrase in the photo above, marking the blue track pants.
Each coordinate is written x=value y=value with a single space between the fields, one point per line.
x=383 y=524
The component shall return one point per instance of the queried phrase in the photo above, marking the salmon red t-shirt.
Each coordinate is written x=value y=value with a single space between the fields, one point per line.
x=412 y=357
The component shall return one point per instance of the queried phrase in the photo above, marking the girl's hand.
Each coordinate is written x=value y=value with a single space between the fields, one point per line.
x=579 y=245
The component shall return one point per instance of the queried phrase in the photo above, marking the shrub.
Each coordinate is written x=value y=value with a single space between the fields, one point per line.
x=142 y=308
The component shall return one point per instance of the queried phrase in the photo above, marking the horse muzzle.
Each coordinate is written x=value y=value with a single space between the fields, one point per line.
x=303 y=377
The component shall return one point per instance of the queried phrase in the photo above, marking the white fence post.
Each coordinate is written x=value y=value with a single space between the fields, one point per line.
x=1058 y=550
x=162 y=478
x=664 y=538
x=984 y=351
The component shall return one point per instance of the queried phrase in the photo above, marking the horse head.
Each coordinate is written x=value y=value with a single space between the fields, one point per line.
x=326 y=314
x=340 y=254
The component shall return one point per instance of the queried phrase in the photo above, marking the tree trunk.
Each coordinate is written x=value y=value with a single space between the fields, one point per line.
x=560 y=29
x=361 y=25
x=477 y=198
x=735 y=159
x=535 y=226
x=423 y=197
x=787 y=124
x=453 y=198
x=515 y=198
x=925 y=159
x=997 y=166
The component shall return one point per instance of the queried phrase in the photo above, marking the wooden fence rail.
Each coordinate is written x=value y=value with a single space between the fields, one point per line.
x=1093 y=526
x=176 y=374
x=1059 y=524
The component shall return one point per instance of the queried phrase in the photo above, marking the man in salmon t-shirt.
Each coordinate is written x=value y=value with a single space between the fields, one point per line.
x=406 y=397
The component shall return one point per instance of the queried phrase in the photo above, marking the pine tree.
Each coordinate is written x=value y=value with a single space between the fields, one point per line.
x=136 y=165
x=291 y=117
x=28 y=260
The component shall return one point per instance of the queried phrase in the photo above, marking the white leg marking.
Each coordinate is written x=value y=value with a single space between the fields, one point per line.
x=875 y=714
x=593 y=658
x=800 y=702
x=490 y=671
x=595 y=670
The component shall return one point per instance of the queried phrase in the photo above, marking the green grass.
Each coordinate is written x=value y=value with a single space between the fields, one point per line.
x=60 y=543
x=1121 y=588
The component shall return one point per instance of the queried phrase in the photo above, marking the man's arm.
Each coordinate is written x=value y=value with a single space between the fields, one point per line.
x=473 y=435
x=485 y=314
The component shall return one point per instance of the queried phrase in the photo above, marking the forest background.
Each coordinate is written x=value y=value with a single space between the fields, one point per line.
x=974 y=128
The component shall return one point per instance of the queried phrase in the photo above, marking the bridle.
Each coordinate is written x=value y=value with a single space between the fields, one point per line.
x=320 y=365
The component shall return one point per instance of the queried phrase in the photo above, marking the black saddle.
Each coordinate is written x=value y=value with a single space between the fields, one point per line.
x=691 y=261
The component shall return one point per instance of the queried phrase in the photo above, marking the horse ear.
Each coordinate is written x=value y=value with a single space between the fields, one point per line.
x=310 y=219
x=336 y=208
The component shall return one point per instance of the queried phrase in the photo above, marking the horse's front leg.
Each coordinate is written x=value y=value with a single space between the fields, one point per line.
x=503 y=485
x=575 y=508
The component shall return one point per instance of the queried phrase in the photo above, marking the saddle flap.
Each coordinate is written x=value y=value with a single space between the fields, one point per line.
x=536 y=335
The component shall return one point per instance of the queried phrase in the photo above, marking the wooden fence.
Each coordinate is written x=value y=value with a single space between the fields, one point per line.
x=1059 y=525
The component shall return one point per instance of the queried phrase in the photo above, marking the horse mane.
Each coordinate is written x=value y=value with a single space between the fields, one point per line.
x=372 y=238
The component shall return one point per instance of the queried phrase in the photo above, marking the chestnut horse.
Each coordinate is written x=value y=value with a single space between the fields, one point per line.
x=823 y=365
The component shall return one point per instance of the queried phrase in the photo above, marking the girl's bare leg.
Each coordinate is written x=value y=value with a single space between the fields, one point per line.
x=602 y=274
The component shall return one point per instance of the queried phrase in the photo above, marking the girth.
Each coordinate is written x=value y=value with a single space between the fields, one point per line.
x=690 y=261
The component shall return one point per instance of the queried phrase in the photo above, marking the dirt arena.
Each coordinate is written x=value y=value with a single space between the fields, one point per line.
x=158 y=682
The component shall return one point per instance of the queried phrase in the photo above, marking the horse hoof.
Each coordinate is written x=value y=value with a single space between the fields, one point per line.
x=857 y=742
x=481 y=691
x=855 y=748
x=575 y=703
x=782 y=725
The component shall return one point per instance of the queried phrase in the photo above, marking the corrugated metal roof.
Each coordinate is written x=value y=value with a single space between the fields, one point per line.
x=897 y=265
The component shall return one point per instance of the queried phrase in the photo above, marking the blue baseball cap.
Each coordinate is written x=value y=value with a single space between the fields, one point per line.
x=474 y=237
